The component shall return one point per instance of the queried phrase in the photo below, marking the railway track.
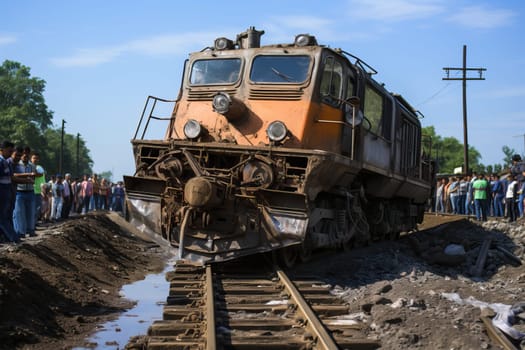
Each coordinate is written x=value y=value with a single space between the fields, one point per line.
x=218 y=307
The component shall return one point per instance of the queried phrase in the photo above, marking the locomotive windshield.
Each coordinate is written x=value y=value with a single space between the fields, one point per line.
x=215 y=71
x=280 y=69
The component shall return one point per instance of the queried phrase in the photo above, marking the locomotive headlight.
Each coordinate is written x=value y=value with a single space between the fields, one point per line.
x=276 y=131
x=305 y=40
x=223 y=44
x=221 y=102
x=192 y=129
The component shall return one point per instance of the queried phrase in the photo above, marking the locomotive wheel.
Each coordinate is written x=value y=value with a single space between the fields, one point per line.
x=287 y=257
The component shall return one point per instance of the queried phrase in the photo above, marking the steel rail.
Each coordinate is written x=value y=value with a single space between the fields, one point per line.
x=496 y=335
x=314 y=323
x=211 y=342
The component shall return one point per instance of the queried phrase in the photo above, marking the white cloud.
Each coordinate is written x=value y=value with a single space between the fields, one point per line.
x=394 y=10
x=6 y=39
x=482 y=17
x=169 y=44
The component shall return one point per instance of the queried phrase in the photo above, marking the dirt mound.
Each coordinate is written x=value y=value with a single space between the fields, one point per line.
x=56 y=287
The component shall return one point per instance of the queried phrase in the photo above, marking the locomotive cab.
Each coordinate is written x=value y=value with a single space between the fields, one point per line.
x=280 y=146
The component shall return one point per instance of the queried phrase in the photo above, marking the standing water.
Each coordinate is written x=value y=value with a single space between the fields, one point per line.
x=150 y=295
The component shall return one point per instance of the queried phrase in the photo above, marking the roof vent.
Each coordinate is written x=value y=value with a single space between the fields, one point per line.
x=250 y=39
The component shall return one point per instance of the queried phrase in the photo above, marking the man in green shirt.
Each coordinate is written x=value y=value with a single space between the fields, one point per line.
x=480 y=187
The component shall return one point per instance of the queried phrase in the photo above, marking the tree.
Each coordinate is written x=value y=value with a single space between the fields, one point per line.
x=508 y=152
x=447 y=151
x=108 y=175
x=26 y=120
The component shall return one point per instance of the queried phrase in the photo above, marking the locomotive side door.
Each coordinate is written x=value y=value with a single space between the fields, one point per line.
x=337 y=85
x=378 y=113
x=352 y=116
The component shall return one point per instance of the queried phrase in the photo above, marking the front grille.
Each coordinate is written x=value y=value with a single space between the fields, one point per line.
x=207 y=95
x=275 y=94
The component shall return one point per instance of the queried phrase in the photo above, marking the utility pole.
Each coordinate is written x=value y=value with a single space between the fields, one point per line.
x=61 y=148
x=464 y=78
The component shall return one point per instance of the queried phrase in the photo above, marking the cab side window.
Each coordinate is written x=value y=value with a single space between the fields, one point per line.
x=374 y=109
x=350 y=87
x=331 y=82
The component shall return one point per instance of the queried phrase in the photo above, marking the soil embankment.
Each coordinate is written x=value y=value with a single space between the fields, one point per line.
x=55 y=288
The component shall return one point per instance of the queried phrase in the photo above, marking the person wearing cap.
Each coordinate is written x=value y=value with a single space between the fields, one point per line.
x=6 y=192
x=517 y=168
x=40 y=179
x=24 y=213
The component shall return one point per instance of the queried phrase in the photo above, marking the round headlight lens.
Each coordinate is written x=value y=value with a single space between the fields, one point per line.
x=305 y=40
x=277 y=131
x=221 y=102
x=192 y=129
x=223 y=44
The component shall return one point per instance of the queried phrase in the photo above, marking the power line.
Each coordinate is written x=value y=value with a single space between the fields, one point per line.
x=435 y=94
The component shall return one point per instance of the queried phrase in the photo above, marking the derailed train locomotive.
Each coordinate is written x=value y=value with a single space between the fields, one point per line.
x=287 y=147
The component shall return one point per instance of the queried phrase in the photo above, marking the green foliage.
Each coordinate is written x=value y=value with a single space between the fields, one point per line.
x=448 y=151
x=508 y=152
x=108 y=175
x=26 y=120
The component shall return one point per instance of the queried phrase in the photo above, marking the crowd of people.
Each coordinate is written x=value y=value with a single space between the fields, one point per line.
x=484 y=195
x=28 y=197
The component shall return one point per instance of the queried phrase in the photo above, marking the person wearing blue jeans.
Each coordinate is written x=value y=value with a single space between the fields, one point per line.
x=498 y=193
x=521 y=197
x=480 y=197
x=469 y=200
x=24 y=213
x=6 y=192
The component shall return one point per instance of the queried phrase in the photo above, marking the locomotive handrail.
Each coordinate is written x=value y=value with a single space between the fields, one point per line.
x=151 y=116
x=359 y=62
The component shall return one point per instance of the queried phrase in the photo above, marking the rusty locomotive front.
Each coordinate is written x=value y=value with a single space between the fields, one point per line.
x=287 y=147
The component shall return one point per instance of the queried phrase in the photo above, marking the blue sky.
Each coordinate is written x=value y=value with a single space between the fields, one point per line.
x=101 y=59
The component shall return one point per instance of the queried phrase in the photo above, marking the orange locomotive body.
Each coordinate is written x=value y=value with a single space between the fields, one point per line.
x=288 y=147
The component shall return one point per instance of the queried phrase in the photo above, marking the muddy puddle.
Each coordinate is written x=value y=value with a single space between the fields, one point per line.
x=150 y=296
